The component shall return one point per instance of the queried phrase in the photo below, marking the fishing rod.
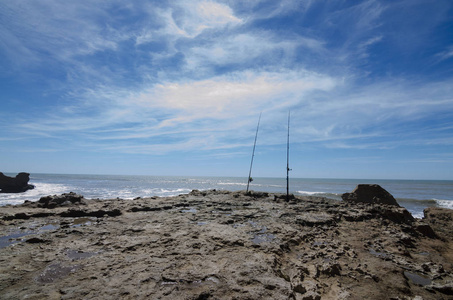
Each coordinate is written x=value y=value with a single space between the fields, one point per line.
x=287 y=161
x=250 y=179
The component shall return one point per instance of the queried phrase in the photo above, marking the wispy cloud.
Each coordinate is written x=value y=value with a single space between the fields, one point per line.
x=446 y=54
x=160 y=77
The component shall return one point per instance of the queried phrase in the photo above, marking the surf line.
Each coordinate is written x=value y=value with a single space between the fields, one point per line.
x=250 y=179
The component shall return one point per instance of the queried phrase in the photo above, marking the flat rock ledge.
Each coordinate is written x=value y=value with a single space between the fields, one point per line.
x=223 y=245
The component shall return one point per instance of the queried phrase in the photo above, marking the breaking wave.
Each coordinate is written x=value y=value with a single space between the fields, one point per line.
x=444 y=203
x=40 y=190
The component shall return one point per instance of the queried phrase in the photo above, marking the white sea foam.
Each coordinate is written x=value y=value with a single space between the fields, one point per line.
x=236 y=183
x=160 y=192
x=416 y=214
x=444 y=203
x=41 y=190
x=309 y=193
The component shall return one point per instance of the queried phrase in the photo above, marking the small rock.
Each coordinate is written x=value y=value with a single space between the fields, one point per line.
x=36 y=240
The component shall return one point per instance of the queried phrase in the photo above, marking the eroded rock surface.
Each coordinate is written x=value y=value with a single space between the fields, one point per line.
x=224 y=245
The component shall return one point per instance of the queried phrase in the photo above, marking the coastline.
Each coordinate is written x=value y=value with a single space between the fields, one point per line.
x=224 y=245
x=415 y=195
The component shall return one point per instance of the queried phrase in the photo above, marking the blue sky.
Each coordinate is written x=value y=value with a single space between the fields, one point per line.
x=176 y=87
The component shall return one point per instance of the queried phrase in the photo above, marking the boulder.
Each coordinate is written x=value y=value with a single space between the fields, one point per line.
x=18 y=184
x=370 y=193
x=67 y=199
x=439 y=219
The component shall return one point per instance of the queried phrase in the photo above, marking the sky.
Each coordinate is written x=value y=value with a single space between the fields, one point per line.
x=177 y=87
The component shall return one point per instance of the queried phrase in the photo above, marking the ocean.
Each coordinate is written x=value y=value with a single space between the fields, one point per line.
x=415 y=195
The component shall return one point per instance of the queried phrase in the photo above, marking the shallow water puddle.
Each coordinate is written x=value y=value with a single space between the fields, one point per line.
x=13 y=238
x=82 y=221
x=321 y=244
x=261 y=236
x=417 y=279
x=77 y=255
x=189 y=210
x=18 y=236
x=379 y=254
x=56 y=271
x=49 y=227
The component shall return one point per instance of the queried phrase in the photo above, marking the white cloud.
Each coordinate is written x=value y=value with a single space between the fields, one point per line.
x=448 y=53
x=233 y=95
x=61 y=30
x=244 y=48
x=190 y=19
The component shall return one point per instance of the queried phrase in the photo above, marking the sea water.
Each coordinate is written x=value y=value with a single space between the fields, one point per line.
x=415 y=195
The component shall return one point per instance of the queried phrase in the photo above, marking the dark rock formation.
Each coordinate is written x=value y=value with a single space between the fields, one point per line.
x=72 y=213
x=18 y=184
x=61 y=200
x=370 y=193
x=441 y=218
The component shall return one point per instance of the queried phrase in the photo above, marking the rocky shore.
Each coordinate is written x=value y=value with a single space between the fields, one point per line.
x=223 y=245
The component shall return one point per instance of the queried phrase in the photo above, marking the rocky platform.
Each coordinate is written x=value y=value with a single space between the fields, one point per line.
x=223 y=245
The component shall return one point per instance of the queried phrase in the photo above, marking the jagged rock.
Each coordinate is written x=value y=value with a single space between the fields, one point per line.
x=62 y=200
x=74 y=213
x=314 y=219
x=312 y=292
x=446 y=289
x=255 y=194
x=36 y=240
x=329 y=268
x=440 y=219
x=370 y=193
x=198 y=193
x=18 y=184
x=426 y=230
x=20 y=216
x=284 y=197
x=398 y=215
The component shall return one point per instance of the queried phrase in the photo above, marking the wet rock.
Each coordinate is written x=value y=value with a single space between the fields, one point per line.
x=370 y=193
x=74 y=213
x=417 y=279
x=61 y=200
x=255 y=194
x=440 y=219
x=21 y=216
x=329 y=268
x=56 y=272
x=446 y=289
x=18 y=184
x=144 y=208
x=359 y=212
x=36 y=240
x=198 y=193
x=426 y=230
x=398 y=215
x=284 y=197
